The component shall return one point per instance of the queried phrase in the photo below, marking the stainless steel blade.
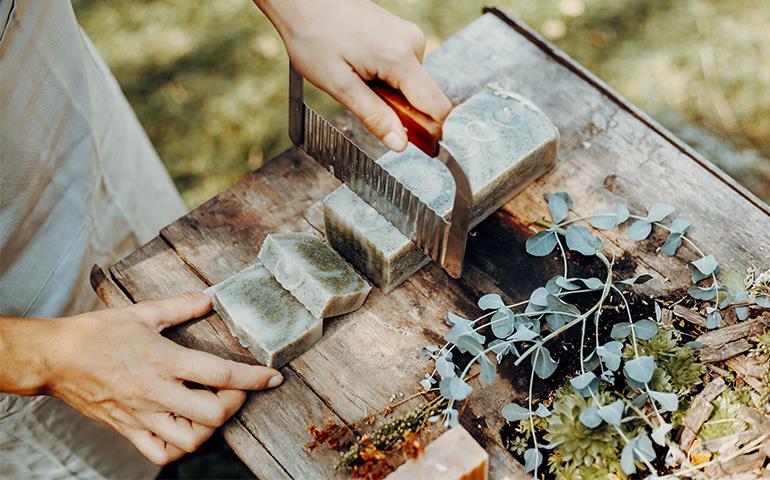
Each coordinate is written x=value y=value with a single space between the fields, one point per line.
x=441 y=239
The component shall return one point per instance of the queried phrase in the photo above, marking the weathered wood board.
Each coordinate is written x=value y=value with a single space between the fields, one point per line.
x=608 y=150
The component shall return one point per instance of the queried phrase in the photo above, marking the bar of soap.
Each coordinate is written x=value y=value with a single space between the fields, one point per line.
x=265 y=317
x=455 y=455
x=314 y=273
x=502 y=141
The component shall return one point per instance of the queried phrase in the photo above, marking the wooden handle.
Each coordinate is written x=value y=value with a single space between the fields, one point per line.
x=421 y=130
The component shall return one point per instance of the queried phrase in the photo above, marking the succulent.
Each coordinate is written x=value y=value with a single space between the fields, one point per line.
x=723 y=420
x=577 y=445
x=677 y=370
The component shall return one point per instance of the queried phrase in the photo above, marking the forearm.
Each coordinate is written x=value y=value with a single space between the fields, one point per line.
x=25 y=344
x=279 y=14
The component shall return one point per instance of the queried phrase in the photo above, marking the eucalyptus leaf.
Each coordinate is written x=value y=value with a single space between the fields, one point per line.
x=763 y=302
x=592 y=283
x=713 y=318
x=579 y=239
x=699 y=293
x=645 y=329
x=468 y=344
x=583 y=380
x=429 y=351
x=659 y=211
x=444 y=367
x=604 y=219
x=462 y=328
x=491 y=301
x=627 y=460
x=502 y=323
x=636 y=280
x=532 y=460
x=426 y=383
x=487 y=370
x=542 y=411
x=706 y=265
x=610 y=354
x=514 y=412
x=539 y=297
x=612 y=413
x=620 y=330
x=559 y=205
x=660 y=432
x=643 y=449
x=673 y=242
x=452 y=319
x=566 y=283
x=679 y=225
x=697 y=276
x=639 y=230
x=541 y=243
x=524 y=334
x=640 y=369
x=741 y=312
x=457 y=389
x=500 y=349
x=590 y=417
x=668 y=401
x=543 y=363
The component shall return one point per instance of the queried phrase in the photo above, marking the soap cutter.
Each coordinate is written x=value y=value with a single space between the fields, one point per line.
x=441 y=239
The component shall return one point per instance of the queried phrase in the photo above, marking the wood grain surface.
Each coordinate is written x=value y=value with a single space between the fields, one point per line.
x=608 y=151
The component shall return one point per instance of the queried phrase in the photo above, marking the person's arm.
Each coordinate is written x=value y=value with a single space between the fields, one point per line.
x=115 y=366
x=338 y=44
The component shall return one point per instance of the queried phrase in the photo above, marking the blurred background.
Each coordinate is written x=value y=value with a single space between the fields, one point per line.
x=208 y=79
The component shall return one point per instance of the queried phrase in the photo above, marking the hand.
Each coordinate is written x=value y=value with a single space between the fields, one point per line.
x=337 y=44
x=114 y=366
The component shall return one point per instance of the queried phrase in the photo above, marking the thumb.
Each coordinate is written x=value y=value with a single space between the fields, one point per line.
x=160 y=314
x=373 y=112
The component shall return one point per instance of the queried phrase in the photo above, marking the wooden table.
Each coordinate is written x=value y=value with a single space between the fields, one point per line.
x=609 y=149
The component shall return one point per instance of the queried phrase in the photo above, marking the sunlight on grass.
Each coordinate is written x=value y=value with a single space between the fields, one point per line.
x=208 y=79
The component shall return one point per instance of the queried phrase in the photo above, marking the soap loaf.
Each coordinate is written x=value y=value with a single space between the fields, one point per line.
x=502 y=141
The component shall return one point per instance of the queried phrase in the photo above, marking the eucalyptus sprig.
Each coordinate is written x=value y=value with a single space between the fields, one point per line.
x=638 y=412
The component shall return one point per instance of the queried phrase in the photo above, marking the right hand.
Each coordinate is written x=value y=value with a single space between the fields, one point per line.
x=114 y=366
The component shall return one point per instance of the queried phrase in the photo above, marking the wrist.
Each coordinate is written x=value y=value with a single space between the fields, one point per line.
x=27 y=347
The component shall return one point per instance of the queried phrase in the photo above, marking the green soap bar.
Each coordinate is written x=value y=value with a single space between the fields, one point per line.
x=502 y=141
x=265 y=317
x=368 y=241
x=314 y=273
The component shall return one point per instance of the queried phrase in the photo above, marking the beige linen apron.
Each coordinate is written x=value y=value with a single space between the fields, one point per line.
x=80 y=184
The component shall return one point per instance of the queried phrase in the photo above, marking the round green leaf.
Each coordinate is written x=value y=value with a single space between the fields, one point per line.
x=541 y=243
x=640 y=369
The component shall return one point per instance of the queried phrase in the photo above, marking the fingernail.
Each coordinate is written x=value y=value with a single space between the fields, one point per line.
x=275 y=381
x=394 y=141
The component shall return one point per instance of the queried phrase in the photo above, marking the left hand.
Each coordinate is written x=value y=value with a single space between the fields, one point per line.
x=339 y=44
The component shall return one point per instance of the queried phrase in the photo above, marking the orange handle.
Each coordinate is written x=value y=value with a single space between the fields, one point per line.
x=421 y=130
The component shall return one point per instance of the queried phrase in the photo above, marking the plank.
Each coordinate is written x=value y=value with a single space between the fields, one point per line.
x=155 y=272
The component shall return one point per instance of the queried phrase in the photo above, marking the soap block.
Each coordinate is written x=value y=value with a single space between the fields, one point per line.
x=455 y=455
x=314 y=273
x=502 y=141
x=369 y=241
x=265 y=317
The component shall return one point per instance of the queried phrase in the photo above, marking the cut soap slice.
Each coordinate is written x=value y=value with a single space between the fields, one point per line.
x=266 y=318
x=314 y=273
x=502 y=141
x=455 y=455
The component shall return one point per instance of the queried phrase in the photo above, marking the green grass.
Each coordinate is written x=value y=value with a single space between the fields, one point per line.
x=208 y=79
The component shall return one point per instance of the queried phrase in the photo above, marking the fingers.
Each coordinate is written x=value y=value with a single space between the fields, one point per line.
x=421 y=91
x=212 y=371
x=154 y=448
x=204 y=406
x=160 y=314
x=179 y=431
x=351 y=91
